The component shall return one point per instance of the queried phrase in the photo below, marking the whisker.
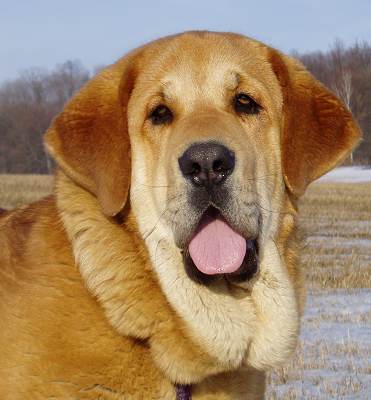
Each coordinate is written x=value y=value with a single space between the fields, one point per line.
x=270 y=211
x=153 y=186
x=278 y=249
x=155 y=226
x=159 y=218
x=158 y=242
x=259 y=177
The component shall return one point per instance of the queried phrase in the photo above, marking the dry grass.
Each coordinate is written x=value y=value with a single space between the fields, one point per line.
x=337 y=221
x=16 y=190
x=332 y=365
x=333 y=357
x=332 y=360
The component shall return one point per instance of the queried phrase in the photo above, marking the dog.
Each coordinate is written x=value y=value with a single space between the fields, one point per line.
x=165 y=263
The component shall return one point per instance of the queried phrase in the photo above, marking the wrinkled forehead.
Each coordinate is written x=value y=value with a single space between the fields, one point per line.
x=194 y=79
x=207 y=67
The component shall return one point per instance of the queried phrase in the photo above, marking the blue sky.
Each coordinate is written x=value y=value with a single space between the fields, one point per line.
x=43 y=33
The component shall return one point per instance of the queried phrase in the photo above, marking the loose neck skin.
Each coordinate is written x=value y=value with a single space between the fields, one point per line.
x=119 y=277
x=193 y=331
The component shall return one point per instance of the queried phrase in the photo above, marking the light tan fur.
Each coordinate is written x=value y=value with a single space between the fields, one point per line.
x=95 y=302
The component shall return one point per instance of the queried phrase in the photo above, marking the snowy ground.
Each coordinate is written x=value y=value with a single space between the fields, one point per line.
x=348 y=174
x=333 y=358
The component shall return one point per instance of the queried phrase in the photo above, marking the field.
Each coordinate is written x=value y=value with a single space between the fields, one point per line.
x=333 y=358
x=16 y=190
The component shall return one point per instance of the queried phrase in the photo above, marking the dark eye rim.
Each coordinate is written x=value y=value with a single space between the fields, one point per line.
x=160 y=115
x=248 y=106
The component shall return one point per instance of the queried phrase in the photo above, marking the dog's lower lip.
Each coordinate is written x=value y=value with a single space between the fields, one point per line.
x=249 y=266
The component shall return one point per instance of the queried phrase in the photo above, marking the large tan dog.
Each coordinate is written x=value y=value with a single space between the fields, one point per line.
x=167 y=254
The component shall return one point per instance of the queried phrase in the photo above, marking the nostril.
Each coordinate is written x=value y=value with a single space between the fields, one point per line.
x=195 y=169
x=225 y=163
x=218 y=165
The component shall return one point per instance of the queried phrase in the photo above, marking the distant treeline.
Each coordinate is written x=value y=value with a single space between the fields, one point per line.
x=27 y=106
x=29 y=103
x=347 y=72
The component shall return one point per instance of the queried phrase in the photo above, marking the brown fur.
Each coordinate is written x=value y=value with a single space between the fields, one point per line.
x=85 y=308
x=318 y=129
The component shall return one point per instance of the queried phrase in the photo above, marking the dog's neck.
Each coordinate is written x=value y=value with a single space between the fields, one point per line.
x=120 y=290
x=184 y=350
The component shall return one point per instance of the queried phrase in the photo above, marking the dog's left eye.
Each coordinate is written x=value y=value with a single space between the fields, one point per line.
x=244 y=104
x=161 y=115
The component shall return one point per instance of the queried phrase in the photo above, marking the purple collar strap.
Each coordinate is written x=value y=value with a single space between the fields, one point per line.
x=183 y=392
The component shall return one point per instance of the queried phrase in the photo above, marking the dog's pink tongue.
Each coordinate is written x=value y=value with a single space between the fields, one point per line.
x=216 y=248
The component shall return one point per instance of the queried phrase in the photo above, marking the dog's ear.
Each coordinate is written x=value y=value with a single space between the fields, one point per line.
x=318 y=131
x=89 y=140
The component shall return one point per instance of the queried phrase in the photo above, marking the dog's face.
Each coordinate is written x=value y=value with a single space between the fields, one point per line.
x=214 y=134
x=204 y=123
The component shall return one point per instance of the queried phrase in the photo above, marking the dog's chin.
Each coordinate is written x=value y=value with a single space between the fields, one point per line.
x=245 y=271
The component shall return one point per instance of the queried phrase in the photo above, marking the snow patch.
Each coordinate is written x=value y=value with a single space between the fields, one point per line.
x=347 y=175
x=335 y=355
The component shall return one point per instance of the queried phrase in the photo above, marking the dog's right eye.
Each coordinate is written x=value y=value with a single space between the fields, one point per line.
x=161 y=115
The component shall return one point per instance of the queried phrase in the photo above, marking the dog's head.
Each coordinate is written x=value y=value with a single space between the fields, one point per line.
x=216 y=122
x=210 y=132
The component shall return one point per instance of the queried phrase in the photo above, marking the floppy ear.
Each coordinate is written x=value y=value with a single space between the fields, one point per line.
x=89 y=140
x=318 y=131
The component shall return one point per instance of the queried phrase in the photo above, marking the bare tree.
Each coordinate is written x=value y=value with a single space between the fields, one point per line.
x=347 y=71
x=341 y=82
x=27 y=106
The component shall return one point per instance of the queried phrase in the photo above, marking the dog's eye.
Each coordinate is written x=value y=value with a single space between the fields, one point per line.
x=244 y=104
x=161 y=115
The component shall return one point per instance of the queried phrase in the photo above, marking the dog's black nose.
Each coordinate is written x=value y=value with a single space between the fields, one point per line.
x=207 y=164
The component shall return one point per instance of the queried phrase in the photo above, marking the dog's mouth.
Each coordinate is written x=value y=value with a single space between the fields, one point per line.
x=217 y=250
